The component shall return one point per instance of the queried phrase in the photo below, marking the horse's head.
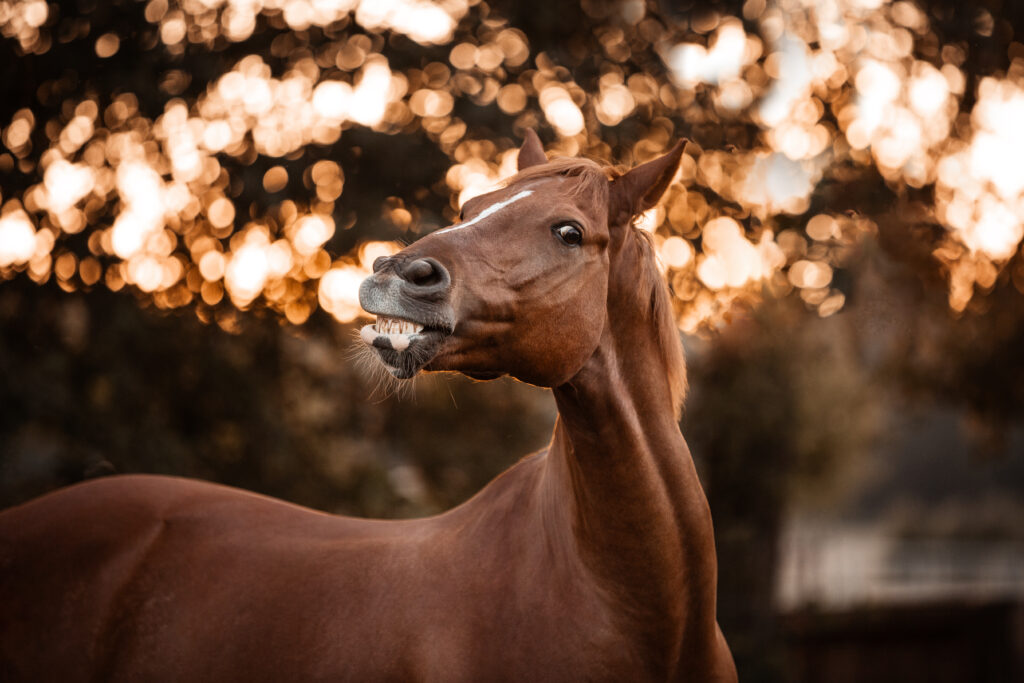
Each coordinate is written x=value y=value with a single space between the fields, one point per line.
x=520 y=285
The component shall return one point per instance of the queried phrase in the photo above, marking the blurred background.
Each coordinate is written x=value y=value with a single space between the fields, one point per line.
x=191 y=191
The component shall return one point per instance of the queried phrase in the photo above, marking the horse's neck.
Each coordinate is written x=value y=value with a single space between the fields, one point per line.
x=639 y=515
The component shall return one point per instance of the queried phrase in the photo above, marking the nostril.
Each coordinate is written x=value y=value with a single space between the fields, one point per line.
x=419 y=272
x=380 y=263
x=424 y=272
x=425 y=277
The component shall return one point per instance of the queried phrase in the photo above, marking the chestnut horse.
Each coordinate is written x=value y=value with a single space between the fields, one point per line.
x=591 y=560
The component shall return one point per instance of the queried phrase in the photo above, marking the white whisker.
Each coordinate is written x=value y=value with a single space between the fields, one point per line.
x=383 y=385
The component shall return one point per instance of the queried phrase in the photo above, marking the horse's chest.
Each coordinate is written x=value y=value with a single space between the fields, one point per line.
x=455 y=635
x=552 y=642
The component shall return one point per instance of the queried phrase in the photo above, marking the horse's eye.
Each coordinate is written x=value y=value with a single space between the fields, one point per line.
x=569 y=233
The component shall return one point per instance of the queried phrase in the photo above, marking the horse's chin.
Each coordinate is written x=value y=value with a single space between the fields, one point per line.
x=404 y=354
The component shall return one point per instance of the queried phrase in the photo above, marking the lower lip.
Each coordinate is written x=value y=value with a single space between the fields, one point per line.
x=405 y=361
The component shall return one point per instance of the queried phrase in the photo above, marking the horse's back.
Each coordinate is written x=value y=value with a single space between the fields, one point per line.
x=164 y=579
x=64 y=558
x=159 y=578
x=96 y=521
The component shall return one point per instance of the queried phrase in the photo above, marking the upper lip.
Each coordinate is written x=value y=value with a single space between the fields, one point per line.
x=382 y=296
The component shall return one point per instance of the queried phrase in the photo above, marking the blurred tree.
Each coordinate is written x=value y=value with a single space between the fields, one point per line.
x=93 y=385
x=782 y=413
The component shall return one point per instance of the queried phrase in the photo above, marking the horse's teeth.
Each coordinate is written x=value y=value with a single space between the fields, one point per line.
x=385 y=325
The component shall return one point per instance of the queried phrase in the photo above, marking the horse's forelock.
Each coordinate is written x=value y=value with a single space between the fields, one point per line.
x=593 y=178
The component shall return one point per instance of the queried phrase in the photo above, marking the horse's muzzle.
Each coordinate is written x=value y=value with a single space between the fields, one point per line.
x=411 y=299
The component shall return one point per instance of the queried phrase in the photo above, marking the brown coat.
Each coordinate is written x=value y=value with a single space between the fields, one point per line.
x=591 y=560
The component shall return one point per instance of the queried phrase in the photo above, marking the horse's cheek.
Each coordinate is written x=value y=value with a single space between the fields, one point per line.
x=538 y=362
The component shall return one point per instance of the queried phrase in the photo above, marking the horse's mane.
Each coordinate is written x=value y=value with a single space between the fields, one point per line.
x=652 y=287
x=652 y=291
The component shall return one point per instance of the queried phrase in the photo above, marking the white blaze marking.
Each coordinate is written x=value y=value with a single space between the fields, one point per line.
x=489 y=211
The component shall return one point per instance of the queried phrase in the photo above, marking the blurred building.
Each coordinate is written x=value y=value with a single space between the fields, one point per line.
x=921 y=577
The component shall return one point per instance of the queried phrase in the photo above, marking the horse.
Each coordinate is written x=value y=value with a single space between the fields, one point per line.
x=591 y=560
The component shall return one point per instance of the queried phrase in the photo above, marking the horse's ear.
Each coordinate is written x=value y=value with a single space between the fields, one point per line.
x=532 y=152
x=638 y=190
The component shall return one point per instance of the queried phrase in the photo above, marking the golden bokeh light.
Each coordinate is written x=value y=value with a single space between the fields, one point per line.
x=22 y=19
x=275 y=179
x=730 y=260
x=17 y=239
x=310 y=233
x=561 y=111
x=107 y=45
x=338 y=292
x=676 y=252
x=247 y=271
x=729 y=51
x=795 y=93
